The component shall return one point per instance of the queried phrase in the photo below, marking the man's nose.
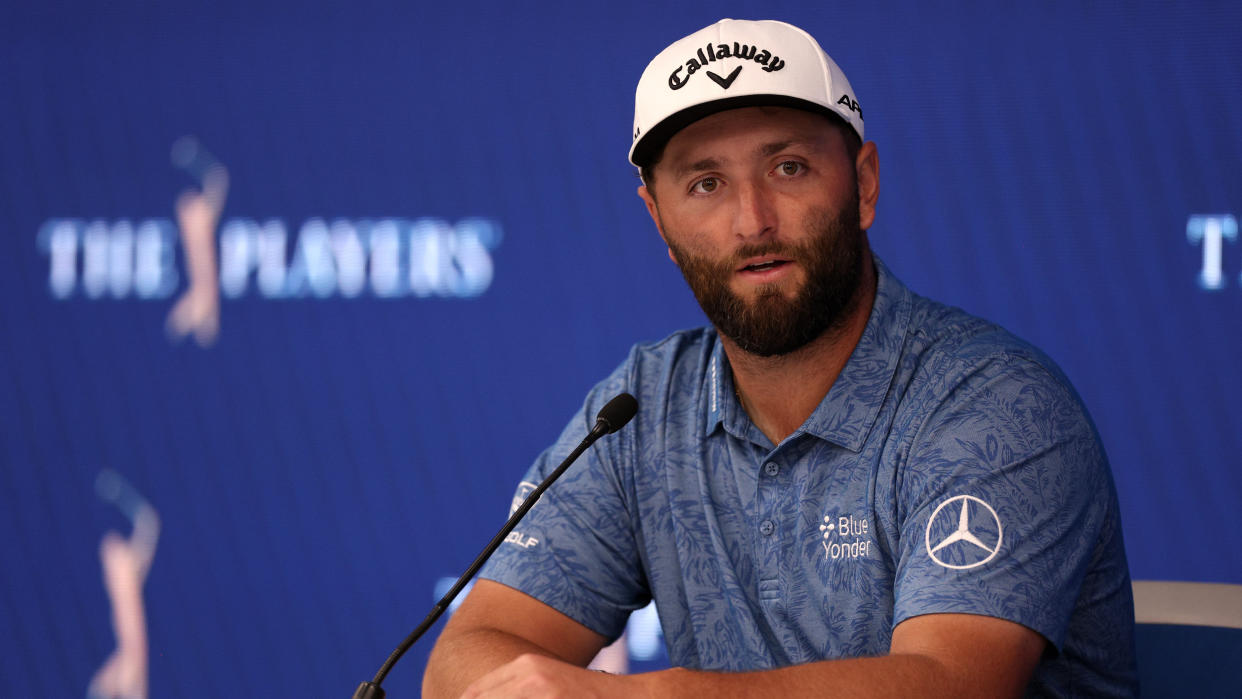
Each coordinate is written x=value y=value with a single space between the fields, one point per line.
x=756 y=211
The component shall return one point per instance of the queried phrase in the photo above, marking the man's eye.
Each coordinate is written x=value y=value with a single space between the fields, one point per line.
x=707 y=185
x=790 y=167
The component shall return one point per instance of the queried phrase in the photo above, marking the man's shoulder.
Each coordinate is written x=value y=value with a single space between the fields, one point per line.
x=680 y=355
x=966 y=379
x=662 y=374
x=946 y=344
x=975 y=393
x=678 y=342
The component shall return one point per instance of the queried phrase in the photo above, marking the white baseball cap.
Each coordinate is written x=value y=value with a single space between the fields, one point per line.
x=731 y=64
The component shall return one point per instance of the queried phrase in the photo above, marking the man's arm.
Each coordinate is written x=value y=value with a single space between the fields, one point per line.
x=502 y=643
x=496 y=624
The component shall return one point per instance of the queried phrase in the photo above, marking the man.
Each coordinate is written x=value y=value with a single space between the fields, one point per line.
x=841 y=488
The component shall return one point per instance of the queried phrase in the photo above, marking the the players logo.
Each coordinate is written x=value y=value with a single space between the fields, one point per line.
x=197 y=312
x=136 y=258
x=963 y=532
x=126 y=562
x=1211 y=231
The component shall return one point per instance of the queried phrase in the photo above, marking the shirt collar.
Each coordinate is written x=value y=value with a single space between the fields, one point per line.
x=847 y=414
x=722 y=403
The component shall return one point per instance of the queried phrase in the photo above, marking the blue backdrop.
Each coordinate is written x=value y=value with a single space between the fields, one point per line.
x=429 y=248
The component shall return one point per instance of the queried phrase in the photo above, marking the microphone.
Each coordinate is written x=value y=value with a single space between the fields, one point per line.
x=612 y=417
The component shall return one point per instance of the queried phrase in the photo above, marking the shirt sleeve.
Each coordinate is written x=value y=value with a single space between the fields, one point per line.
x=575 y=550
x=1002 y=500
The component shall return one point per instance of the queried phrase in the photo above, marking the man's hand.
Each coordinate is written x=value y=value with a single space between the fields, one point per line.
x=532 y=675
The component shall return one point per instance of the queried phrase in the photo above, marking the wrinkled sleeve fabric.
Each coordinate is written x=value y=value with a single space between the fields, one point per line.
x=1003 y=497
x=575 y=550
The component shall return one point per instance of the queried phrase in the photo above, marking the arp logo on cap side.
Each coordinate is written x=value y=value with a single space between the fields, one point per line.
x=851 y=104
x=708 y=54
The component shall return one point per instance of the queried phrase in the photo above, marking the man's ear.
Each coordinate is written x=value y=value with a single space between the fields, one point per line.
x=654 y=211
x=867 y=170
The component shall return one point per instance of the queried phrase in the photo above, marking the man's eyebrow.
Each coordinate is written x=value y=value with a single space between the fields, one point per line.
x=765 y=151
x=770 y=149
x=697 y=166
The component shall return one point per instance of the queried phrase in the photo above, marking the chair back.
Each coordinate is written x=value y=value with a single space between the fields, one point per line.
x=1188 y=639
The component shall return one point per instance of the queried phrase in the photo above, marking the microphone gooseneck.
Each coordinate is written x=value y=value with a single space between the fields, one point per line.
x=612 y=417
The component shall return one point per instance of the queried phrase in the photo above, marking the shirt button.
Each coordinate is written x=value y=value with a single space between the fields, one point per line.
x=771 y=469
x=766 y=527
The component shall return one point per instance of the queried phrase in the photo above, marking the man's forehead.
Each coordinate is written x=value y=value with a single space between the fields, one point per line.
x=748 y=132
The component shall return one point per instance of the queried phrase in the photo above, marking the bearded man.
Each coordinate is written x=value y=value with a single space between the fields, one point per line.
x=840 y=487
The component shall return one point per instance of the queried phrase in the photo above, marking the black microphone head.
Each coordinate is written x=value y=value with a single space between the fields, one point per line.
x=616 y=413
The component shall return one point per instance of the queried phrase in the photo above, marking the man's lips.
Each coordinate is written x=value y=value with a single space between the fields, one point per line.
x=763 y=265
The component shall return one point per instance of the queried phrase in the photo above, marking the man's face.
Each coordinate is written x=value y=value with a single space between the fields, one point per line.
x=760 y=209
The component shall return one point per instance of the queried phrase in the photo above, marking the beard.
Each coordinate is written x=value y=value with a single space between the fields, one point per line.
x=771 y=324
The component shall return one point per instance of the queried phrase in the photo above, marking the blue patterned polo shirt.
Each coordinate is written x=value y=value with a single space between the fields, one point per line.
x=950 y=468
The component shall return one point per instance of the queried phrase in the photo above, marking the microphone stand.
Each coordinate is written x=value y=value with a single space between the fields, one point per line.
x=611 y=418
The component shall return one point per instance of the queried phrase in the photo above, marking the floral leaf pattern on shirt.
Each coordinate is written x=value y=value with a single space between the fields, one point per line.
x=951 y=468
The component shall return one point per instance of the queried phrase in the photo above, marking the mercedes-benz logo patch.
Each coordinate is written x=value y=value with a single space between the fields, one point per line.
x=964 y=532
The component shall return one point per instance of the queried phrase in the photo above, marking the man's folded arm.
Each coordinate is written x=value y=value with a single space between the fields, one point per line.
x=935 y=655
x=502 y=642
x=494 y=625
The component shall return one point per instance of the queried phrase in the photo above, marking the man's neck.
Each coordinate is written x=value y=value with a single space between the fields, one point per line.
x=780 y=393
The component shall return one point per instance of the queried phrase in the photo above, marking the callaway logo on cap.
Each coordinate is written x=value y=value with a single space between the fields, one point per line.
x=736 y=63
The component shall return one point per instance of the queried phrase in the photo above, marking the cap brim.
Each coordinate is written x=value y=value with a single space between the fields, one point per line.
x=649 y=147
